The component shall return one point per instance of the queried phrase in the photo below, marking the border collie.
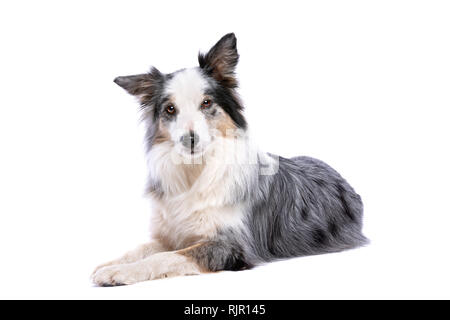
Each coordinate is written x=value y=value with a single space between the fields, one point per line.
x=219 y=202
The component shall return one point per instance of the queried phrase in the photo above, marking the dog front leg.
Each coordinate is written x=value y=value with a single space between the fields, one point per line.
x=141 y=252
x=199 y=258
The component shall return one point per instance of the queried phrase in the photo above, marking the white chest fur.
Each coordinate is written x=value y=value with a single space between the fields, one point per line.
x=197 y=201
x=179 y=226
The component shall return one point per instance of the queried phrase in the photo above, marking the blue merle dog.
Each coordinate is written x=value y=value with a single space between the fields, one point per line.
x=219 y=202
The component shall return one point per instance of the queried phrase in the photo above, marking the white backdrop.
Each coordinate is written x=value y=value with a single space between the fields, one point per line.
x=362 y=85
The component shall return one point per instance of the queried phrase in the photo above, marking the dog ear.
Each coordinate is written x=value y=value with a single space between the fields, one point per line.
x=220 y=62
x=143 y=85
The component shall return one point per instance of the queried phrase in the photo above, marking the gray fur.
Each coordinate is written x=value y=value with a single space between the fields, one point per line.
x=306 y=208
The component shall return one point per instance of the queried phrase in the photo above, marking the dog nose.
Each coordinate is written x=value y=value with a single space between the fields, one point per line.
x=189 y=140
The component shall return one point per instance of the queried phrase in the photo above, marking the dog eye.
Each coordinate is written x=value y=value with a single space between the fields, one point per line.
x=206 y=104
x=170 y=109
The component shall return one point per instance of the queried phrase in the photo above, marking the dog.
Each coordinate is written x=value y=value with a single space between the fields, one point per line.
x=220 y=203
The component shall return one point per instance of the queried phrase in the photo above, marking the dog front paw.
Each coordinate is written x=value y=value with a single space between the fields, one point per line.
x=117 y=275
x=106 y=264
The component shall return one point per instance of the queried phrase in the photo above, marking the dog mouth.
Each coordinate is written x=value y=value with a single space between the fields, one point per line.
x=192 y=151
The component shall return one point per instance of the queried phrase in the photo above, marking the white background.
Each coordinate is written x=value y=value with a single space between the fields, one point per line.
x=362 y=85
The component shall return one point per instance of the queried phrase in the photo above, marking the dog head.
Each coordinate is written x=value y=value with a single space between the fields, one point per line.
x=191 y=108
